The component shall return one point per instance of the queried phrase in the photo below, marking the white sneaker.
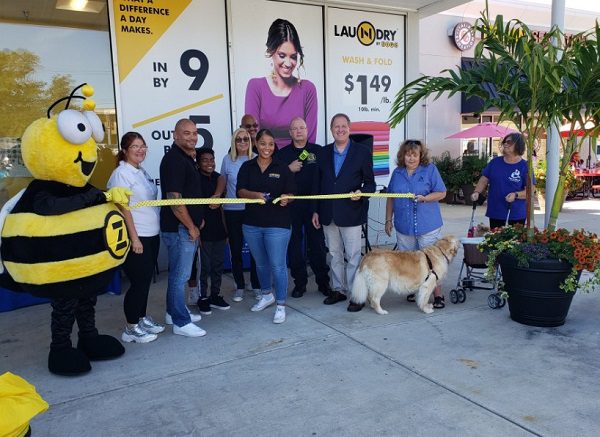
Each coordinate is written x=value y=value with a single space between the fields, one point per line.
x=149 y=325
x=189 y=330
x=265 y=301
x=135 y=334
x=257 y=293
x=279 y=314
x=238 y=295
x=195 y=317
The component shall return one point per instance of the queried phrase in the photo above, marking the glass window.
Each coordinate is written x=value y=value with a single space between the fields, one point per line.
x=39 y=65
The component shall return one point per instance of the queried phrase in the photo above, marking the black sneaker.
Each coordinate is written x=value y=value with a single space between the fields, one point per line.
x=219 y=303
x=204 y=305
x=355 y=307
x=334 y=298
x=299 y=291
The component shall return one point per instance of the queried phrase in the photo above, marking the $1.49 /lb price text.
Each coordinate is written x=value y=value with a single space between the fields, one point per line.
x=376 y=83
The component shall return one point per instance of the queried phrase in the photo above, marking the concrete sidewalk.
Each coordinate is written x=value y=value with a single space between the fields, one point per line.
x=464 y=370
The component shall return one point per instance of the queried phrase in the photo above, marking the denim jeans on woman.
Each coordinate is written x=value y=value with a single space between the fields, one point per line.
x=181 y=256
x=269 y=249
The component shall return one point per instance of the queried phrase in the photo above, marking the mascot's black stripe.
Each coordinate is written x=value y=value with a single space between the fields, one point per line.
x=26 y=250
x=76 y=288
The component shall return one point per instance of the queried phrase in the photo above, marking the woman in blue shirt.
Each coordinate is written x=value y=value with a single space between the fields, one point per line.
x=418 y=222
x=507 y=178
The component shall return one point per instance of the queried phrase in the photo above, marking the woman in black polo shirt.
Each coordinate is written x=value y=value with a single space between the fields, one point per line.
x=267 y=227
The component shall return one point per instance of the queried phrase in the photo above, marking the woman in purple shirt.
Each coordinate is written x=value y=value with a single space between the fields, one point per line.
x=276 y=99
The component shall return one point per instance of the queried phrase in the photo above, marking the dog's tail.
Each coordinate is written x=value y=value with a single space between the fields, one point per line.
x=360 y=289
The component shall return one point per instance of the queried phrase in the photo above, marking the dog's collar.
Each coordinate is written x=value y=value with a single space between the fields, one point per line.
x=442 y=254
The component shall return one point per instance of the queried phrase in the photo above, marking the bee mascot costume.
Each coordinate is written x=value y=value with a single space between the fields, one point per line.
x=62 y=238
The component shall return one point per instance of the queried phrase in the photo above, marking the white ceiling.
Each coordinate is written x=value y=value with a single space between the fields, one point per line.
x=44 y=11
x=579 y=15
x=533 y=12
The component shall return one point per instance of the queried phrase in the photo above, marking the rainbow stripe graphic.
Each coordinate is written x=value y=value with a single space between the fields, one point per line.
x=381 y=143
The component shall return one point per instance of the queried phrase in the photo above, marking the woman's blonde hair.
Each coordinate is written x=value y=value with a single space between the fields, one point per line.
x=408 y=146
x=233 y=150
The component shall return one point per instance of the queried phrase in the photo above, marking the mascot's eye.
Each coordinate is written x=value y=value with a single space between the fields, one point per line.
x=97 y=126
x=74 y=126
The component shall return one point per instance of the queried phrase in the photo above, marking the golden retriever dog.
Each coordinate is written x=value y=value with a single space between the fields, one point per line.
x=403 y=273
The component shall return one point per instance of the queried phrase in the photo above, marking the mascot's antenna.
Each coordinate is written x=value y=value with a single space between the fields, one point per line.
x=68 y=99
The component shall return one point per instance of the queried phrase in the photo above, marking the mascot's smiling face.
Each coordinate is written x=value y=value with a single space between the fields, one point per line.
x=63 y=148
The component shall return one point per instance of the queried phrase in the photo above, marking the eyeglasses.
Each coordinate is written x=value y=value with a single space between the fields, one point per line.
x=507 y=143
x=242 y=139
x=249 y=126
x=413 y=143
x=138 y=147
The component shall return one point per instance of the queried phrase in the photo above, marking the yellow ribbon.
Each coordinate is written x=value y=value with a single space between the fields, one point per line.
x=222 y=201
x=195 y=201
x=347 y=196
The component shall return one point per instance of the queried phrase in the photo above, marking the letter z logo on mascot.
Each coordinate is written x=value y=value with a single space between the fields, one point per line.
x=62 y=238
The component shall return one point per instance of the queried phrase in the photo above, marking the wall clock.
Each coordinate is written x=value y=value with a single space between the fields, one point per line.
x=463 y=36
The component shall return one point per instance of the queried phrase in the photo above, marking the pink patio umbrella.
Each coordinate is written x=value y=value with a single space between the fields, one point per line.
x=484 y=130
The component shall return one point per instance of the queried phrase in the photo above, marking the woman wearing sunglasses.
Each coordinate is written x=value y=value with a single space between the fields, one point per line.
x=507 y=177
x=240 y=152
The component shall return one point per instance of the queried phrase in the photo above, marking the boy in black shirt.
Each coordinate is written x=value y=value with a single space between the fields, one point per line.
x=213 y=236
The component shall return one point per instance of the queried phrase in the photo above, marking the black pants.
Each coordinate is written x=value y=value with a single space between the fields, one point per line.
x=139 y=268
x=212 y=254
x=499 y=223
x=233 y=220
x=302 y=228
x=64 y=313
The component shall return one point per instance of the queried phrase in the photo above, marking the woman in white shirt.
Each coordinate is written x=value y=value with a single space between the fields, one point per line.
x=143 y=225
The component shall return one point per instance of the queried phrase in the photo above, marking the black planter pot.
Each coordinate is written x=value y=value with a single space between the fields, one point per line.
x=534 y=295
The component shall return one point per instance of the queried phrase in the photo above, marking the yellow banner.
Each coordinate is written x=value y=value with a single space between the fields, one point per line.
x=139 y=25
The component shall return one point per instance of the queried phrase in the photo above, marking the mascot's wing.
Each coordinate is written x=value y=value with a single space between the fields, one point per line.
x=6 y=209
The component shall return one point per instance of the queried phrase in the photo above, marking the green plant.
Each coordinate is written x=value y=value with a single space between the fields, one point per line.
x=571 y=184
x=472 y=166
x=537 y=82
x=448 y=168
x=540 y=175
x=580 y=248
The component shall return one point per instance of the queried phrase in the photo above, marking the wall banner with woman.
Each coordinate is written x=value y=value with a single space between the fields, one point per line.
x=278 y=72
x=365 y=70
x=170 y=61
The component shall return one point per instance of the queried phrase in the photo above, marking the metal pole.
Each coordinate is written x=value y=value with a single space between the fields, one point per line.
x=552 y=149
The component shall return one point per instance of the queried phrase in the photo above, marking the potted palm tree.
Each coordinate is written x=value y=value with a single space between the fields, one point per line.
x=535 y=83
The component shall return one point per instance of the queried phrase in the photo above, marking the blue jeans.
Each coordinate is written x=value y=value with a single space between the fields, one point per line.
x=181 y=256
x=269 y=249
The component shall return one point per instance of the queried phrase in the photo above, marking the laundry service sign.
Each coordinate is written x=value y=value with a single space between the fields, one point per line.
x=365 y=71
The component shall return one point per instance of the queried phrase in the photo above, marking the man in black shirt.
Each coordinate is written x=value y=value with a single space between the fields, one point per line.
x=180 y=224
x=300 y=156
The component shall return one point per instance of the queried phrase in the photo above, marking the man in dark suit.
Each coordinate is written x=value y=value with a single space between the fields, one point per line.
x=301 y=158
x=344 y=167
